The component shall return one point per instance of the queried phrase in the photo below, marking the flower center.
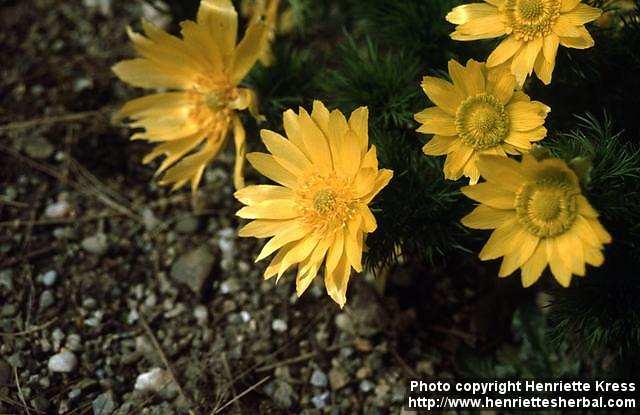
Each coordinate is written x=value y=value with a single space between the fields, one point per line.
x=326 y=202
x=482 y=121
x=548 y=206
x=530 y=19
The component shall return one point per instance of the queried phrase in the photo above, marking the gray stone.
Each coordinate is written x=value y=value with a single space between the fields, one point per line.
x=149 y=219
x=193 y=268
x=320 y=401
x=318 y=378
x=104 y=404
x=96 y=244
x=46 y=300
x=48 y=278
x=63 y=362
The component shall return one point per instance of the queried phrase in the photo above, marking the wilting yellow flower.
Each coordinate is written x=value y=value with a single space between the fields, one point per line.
x=202 y=71
x=328 y=176
x=267 y=11
x=534 y=29
x=540 y=217
x=480 y=113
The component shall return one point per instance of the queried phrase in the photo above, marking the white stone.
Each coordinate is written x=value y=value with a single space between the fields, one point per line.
x=153 y=380
x=63 y=362
x=58 y=209
x=279 y=325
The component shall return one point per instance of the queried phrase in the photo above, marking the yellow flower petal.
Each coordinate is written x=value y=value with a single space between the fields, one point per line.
x=585 y=208
x=544 y=69
x=560 y=269
x=293 y=130
x=191 y=168
x=526 y=116
x=593 y=256
x=221 y=19
x=456 y=160
x=502 y=241
x=502 y=171
x=505 y=51
x=524 y=60
x=582 y=14
x=442 y=93
x=485 y=217
x=439 y=145
x=239 y=139
x=383 y=179
x=263 y=228
x=359 y=123
x=469 y=80
x=523 y=139
x=568 y=5
x=337 y=280
x=467 y=12
x=353 y=248
x=501 y=85
x=248 y=51
x=147 y=74
x=271 y=209
x=285 y=152
x=251 y=195
x=490 y=195
x=527 y=244
x=583 y=41
x=268 y=166
x=481 y=28
x=315 y=142
x=291 y=232
x=533 y=268
x=564 y=27
x=298 y=253
x=435 y=121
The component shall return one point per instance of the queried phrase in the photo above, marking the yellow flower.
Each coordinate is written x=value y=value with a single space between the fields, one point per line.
x=202 y=71
x=540 y=217
x=480 y=113
x=328 y=176
x=534 y=29
x=267 y=10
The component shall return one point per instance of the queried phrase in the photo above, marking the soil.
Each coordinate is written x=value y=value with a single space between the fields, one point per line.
x=145 y=299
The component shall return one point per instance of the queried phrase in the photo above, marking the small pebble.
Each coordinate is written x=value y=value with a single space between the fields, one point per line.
x=48 y=278
x=320 y=401
x=318 y=378
x=279 y=325
x=366 y=386
x=58 y=209
x=96 y=244
x=153 y=380
x=201 y=314
x=63 y=362
x=74 y=343
x=46 y=300
x=104 y=404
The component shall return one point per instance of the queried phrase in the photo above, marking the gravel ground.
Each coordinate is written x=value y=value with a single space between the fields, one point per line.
x=117 y=297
